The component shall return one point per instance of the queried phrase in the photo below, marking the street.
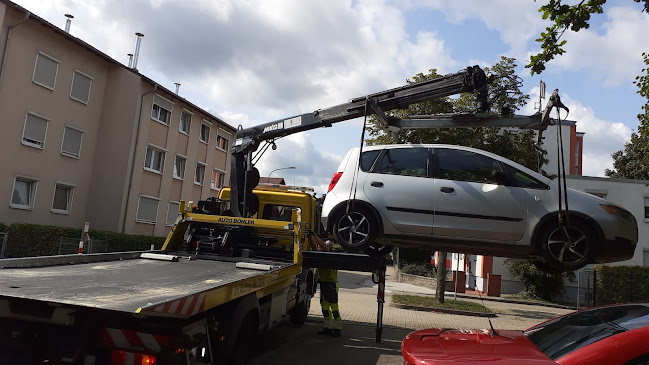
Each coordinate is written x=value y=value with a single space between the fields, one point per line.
x=358 y=306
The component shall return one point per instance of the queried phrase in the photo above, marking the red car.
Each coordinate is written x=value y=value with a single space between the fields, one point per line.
x=609 y=335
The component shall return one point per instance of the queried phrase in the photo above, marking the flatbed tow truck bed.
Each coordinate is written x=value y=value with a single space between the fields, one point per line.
x=127 y=283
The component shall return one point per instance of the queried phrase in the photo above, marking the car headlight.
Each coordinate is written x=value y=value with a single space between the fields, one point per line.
x=614 y=210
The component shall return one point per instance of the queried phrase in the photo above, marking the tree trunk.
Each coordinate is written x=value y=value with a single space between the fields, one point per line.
x=441 y=277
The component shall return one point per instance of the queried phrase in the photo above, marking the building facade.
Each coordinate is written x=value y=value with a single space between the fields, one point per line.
x=87 y=138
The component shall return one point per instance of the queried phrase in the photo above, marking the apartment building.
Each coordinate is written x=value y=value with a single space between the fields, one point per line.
x=86 y=138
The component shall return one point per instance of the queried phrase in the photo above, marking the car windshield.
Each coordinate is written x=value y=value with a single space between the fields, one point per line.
x=563 y=335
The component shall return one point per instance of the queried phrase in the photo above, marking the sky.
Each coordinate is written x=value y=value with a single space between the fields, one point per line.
x=255 y=61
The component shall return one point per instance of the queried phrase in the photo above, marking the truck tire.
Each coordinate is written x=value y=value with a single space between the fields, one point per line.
x=300 y=312
x=245 y=344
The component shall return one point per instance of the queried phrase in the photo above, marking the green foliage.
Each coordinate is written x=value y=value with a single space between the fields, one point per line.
x=413 y=256
x=39 y=240
x=518 y=146
x=564 y=17
x=419 y=269
x=430 y=302
x=621 y=284
x=536 y=283
x=633 y=161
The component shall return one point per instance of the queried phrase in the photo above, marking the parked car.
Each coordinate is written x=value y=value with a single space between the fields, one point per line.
x=461 y=199
x=610 y=335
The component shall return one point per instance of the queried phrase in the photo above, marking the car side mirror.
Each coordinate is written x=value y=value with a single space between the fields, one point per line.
x=499 y=177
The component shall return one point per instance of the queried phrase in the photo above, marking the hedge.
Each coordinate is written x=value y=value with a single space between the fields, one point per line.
x=621 y=284
x=39 y=240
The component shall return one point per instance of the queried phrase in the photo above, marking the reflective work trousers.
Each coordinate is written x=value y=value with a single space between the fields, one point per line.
x=329 y=303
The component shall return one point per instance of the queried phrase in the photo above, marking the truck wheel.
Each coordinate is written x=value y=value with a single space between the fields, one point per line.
x=245 y=344
x=301 y=311
x=357 y=230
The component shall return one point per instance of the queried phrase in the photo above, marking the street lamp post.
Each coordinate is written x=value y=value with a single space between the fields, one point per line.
x=282 y=168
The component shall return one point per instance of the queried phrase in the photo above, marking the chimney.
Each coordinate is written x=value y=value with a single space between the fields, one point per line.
x=68 y=22
x=137 y=50
x=130 y=60
x=177 y=87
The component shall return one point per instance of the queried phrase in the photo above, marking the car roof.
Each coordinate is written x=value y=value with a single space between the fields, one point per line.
x=463 y=148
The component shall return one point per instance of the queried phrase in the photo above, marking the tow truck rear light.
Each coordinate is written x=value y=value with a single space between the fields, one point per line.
x=334 y=180
x=121 y=357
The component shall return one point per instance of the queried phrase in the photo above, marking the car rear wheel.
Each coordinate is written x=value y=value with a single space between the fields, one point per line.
x=356 y=230
x=567 y=248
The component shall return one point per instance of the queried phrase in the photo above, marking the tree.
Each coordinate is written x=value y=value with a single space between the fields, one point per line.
x=633 y=161
x=517 y=145
x=564 y=17
x=536 y=283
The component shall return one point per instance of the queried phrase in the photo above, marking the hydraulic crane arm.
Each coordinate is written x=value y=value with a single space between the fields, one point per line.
x=244 y=177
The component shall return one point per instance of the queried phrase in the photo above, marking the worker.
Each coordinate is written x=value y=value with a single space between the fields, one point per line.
x=328 y=279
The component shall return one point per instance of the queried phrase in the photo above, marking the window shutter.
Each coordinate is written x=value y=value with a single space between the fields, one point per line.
x=72 y=141
x=147 y=210
x=80 y=87
x=163 y=103
x=35 y=129
x=45 y=71
x=172 y=213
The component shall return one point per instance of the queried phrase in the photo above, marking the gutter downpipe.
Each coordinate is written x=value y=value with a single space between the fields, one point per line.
x=4 y=53
x=137 y=137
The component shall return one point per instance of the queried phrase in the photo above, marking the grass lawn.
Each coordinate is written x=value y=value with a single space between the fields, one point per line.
x=430 y=302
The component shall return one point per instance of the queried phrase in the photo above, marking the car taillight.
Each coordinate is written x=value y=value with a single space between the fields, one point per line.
x=334 y=180
x=121 y=357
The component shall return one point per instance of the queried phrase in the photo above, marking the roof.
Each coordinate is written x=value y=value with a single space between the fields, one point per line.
x=101 y=54
x=272 y=180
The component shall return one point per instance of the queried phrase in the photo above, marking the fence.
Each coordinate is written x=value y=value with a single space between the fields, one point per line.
x=585 y=288
x=71 y=246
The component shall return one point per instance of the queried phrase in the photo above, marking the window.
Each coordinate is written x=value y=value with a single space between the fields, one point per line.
x=161 y=110
x=154 y=159
x=218 y=178
x=524 y=180
x=173 y=210
x=367 y=160
x=185 y=121
x=405 y=161
x=205 y=132
x=466 y=166
x=282 y=213
x=179 y=167
x=23 y=193
x=35 y=130
x=80 y=90
x=646 y=208
x=62 y=201
x=147 y=209
x=71 y=145
x=45 y=70
x=199 y=176
x=223 y=140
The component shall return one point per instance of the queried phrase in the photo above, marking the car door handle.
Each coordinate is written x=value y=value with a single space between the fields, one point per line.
x=377 y=184
x=446 y=189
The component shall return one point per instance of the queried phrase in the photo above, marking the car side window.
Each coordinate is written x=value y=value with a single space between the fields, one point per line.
x=404 y=161
x=465 y=166
x=524 y=180
x=367 y=159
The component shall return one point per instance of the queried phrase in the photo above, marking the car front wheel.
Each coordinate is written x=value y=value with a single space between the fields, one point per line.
x=567 y=248
x=355 y=231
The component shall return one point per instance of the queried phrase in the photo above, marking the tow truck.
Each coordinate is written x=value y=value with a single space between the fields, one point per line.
x=229 y=269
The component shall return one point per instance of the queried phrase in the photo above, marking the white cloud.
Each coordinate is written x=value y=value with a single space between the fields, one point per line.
x=611 y=53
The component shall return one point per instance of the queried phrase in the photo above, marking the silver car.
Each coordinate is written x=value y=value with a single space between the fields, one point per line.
x=461 y=199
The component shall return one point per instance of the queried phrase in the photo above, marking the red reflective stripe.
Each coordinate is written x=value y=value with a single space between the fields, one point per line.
x=200 y=305
x=166 y=307
x=190 y=309
x=134 y=340
x=181 y=305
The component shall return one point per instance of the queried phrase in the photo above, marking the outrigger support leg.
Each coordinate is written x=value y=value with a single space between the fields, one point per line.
x=378 y=276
